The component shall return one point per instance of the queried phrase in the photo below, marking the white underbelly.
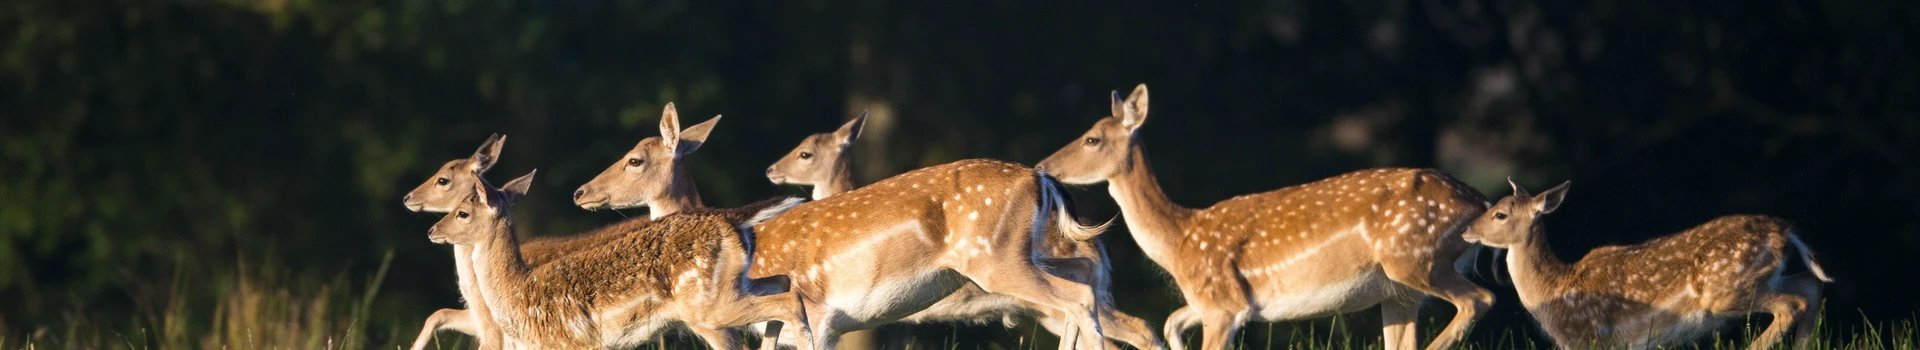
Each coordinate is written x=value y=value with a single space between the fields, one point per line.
x=869 y=304
x=1353 y=294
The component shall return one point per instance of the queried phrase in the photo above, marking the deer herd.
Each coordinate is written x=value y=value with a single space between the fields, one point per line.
x=984 y=241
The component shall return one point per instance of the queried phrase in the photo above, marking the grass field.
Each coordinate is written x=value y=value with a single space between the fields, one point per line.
x=269 y=309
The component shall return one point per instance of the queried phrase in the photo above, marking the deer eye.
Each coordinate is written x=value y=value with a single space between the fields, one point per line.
x=1093 y=141
x=635 y=161
x=441 y=181
x=462 y=214
x=806 y=155
x=1499 y=216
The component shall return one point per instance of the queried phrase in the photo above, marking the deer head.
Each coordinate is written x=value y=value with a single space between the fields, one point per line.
x=1106 y=150
x=1514 y=220
x=454 y=180
x=647 y=173
x=483 y=212
x=818 y=160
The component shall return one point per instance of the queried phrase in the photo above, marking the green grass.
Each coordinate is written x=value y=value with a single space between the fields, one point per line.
x=268 y=308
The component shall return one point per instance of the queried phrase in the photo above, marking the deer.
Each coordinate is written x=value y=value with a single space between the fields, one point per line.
x=447 y=187
x=1666 y=290
x=818 y=162
x=685 y=269
x=879 y=253
x=1341 y=244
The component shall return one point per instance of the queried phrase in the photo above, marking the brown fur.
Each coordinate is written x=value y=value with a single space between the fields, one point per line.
x=1666 y=290
x=915 y=238
x=1379 y=236
x=683 y=268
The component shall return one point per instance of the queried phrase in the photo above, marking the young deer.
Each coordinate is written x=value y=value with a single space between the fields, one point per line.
x=441 y=193
x=448 y=187
x=818 y=162
x=1666 y=290
x=879 y=253
x=652 y=174
x=687 y=269
x=1382 y=236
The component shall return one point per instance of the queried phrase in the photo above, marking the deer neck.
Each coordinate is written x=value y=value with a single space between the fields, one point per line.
x=499 y=271
x=840 y=182
x=680 y=195
x=1535 y=270
x=1154 y=220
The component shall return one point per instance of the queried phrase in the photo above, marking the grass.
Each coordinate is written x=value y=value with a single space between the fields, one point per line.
x=267 y=308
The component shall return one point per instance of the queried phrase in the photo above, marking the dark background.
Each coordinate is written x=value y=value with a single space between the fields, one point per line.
x=159 y=159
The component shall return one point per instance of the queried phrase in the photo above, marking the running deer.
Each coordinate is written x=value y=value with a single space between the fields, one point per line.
x=652 y=174
x=450 y=185
x=818 y=162
x=1666 y=290
x=882 y=252
x=447 y=188
x=1382 y=236
x=687 y=269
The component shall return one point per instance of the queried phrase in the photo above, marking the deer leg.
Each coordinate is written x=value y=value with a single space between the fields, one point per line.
x=1469 y=300
x=1057 y=324
x=1785 y=308
x=445 y=319
x=1398 y=321
x=1178 y=322
x=770 y=338
x=1807 y=287
x=1022 y=280
x=1219 y=329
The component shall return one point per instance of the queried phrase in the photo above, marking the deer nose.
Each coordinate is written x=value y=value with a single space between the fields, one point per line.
x=579 y=192
x=407 y=198
x=769 y=170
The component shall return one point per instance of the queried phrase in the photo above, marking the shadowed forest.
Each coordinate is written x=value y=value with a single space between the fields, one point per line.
x=199 y=174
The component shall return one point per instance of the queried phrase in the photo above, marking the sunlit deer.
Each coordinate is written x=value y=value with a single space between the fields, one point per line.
x=1667 y=290
x=1382 y=236
x=687 y=269
x=652 y=174
x=882 y=252
x=449 y=184
x=819 y=162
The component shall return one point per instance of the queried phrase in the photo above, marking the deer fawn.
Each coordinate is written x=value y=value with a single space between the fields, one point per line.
x=1341 y=244
x=818 y=162
x=652 y=174
x=879 y=253
x=449 y=186
x=1666 y=290
x=688 y=269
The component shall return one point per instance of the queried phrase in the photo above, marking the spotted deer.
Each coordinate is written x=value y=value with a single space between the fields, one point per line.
x=882 y=252
x=1381 y=236
x=1666 y=290
x=448 y=187
x=818 y=162
x=686 y=269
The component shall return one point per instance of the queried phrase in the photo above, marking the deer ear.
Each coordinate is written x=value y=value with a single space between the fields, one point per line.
x=670 y=128
x=488 y=154
x=1134 y=109
x=482 y=193
x=517 y=188
x=851 y=130
x=1550 y=199
x=694 y=136
x=1518 y=192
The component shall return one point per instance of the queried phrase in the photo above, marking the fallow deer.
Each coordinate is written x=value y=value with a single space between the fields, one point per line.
x=652 y=174
x=1666 y=290
x=449 y=186
x=1382 y=236
x=882 y=252
x=687 y=269
x=819 y=162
